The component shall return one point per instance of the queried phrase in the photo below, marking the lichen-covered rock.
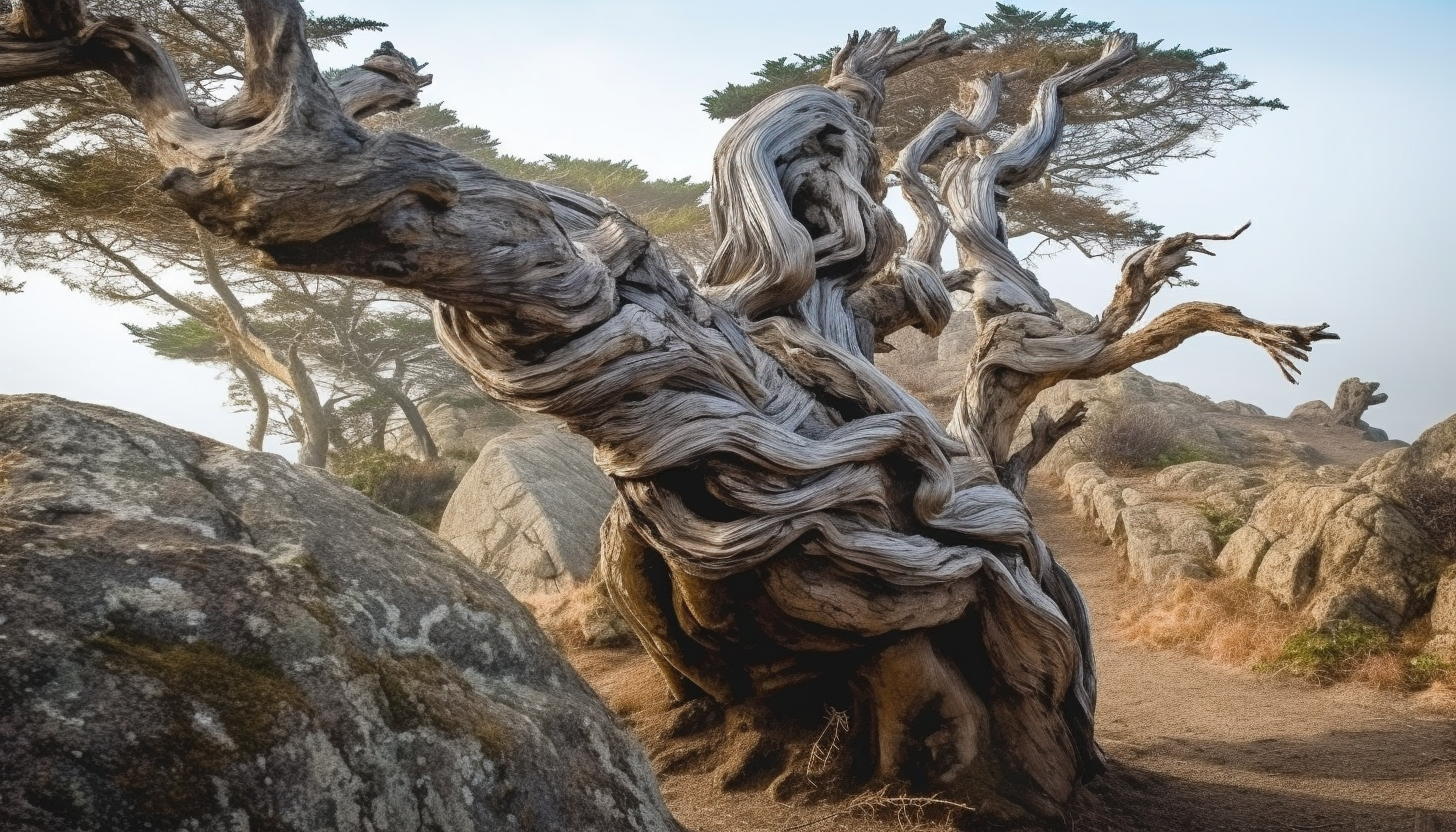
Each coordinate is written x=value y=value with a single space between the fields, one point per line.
x=1096 y=496
x=1161 y=541
x=1207 y=476
x=197 y=637
x=1225 y=489
x=530 y=510
x=1316 y=412
x=1433 y=453
x=1239 y=408
x=1166 y=541
x=1443 y=618
x=1339 y=552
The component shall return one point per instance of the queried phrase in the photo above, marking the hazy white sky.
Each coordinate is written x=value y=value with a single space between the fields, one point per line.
x=1350 y=191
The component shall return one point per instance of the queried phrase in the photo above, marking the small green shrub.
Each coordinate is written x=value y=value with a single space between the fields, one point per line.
x=1331 y=652
x=1224 y=524
x=417 y=489
x=1142 y=436
x=1424 y=669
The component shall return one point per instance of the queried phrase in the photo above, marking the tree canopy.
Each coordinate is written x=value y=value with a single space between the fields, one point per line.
x=322 y=363
x=1172 y=106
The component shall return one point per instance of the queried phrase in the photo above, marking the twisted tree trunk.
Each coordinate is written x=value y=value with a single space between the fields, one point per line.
x=789 y=522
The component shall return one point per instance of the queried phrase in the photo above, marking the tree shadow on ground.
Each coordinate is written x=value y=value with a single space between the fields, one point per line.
x=1130 y=799
x=1403 y=753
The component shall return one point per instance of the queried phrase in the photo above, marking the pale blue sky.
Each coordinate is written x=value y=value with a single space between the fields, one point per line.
x=1349 y=191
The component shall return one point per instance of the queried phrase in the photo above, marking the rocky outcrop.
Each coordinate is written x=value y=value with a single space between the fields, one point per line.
x=1162 y=541
x=1166 y=541
x=1340 y=552
x=932 y=369
x=1352 y=550
x=1352 y=399
x=1315 y=412
x=1239 y=408
x=1225 y=489
x=530 y=510
x=198 y=637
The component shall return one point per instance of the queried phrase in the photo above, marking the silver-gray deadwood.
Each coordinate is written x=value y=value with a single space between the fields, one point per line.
x=788 y=521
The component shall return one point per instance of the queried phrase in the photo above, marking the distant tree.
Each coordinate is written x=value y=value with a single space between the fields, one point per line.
x=1172 y=106
x=77 y=199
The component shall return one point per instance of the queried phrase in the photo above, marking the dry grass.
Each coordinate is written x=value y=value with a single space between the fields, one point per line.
x=913 y=814
x=827 y=745
x=1232 y=622
x=1386 y=671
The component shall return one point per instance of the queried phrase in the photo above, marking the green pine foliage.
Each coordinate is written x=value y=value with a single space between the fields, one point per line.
x=1173 y=105
x=671 y=209
x=774 y=76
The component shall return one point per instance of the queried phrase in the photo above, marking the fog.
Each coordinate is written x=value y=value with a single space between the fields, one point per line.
x=1348 y=191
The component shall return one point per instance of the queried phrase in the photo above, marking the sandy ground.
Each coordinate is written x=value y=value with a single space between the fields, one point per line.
x=1199 y=746
x=1193 y=745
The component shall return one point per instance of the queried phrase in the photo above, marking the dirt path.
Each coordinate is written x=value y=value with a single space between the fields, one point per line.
x=1199 y=746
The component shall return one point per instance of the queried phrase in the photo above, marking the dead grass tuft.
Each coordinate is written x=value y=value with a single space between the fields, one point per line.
x=1386 y=671
x=913 y=814
x=1234 y=623
x=826 y=746
x=1229 y=621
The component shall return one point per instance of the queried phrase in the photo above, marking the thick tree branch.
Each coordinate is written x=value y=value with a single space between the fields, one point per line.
x=974 y=188
x=1284 y=343
x=916 y=291
x=1045 y=433
x=946 y=129
x=868 y=59
x=1148 y=270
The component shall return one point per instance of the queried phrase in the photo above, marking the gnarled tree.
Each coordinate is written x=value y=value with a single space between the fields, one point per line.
x=788 y=519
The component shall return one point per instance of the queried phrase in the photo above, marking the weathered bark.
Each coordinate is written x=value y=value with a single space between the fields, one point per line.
x=1022 y=346
x=1353 y=398
x=788 y=519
